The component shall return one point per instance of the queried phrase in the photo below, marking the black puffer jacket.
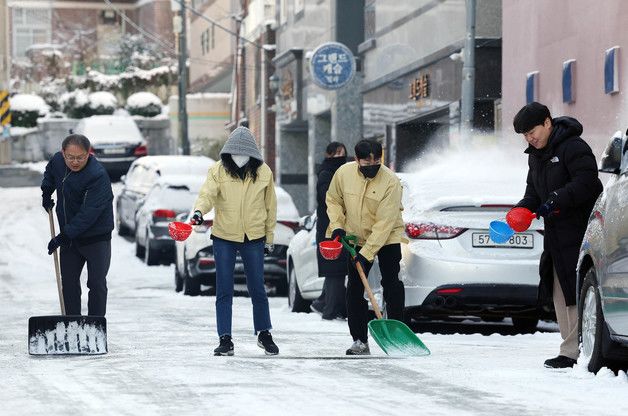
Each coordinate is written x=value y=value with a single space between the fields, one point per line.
x=566 y=166
x=327 y=268
x=84 y=199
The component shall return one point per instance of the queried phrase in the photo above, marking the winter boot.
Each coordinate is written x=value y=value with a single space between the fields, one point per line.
x=560 y=362
x=265 y=340
x=225 y=347
x=359 y=348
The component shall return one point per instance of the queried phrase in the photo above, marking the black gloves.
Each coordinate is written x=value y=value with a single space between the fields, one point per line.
x=268 y=249
x=61 y=240
x=548 y=207
x=197 y=218
x=338 y=232
x=47 y=203
x=363 y=262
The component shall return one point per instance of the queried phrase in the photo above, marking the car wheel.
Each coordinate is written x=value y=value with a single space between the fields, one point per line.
x=139 y=250
x=151 y=256
x=591 y=324
x=525 y=325
x=123 y=230
x=296 y=302
x=192 y=286
x=178 y=279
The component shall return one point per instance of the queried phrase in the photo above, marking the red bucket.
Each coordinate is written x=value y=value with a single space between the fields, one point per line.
x=520 y=218
x=330 y=250
x=179 y=231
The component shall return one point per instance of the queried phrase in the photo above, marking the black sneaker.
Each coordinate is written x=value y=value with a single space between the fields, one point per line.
x=225 y=347
x=560 y=362
x=265 y=340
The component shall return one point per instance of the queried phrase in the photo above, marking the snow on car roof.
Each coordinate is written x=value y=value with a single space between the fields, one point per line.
x=193 y=182
x=178 y=164
x=107 y=129
x=464 y=177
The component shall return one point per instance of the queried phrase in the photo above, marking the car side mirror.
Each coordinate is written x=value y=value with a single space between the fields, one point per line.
x=123 y=178
x=181 y=217
x=611 y=158
x=308 y=223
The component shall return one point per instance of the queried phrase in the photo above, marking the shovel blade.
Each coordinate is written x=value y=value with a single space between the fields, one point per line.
x=395 y=338
x=67 y=335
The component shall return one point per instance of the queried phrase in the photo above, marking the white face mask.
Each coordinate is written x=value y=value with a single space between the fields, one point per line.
x=240 y=160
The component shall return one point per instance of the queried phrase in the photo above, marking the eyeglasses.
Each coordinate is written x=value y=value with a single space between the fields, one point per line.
x=71 y=158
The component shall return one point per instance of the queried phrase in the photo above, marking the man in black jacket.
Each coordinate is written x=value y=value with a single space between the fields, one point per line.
x=331 y=304
x=85 y=215
x=562 y=186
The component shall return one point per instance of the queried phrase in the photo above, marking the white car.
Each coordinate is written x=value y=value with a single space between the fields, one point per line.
x=169 y=197
x=141 y=177
x=451 y=267
x=116 y=141
x=195 y=264
x=304 y=283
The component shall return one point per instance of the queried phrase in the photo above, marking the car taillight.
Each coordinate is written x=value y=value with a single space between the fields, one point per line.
x=140 y=150
x=164 y=213
x=202 y=228
x=293 y=225
x=429 y=231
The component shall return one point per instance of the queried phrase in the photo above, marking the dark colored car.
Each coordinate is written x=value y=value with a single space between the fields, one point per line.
x=603 y=267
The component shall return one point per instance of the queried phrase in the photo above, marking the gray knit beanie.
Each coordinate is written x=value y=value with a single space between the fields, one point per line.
x=242 y=142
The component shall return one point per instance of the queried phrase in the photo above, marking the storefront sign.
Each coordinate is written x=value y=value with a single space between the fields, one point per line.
x=332 y=65
x=420 y=87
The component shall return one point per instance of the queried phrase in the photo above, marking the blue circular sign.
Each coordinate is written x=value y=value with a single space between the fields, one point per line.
x=332 y=65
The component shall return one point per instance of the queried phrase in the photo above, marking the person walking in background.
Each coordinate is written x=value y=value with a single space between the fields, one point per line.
x=85 y=216
x=562 y=187
x=241 y=190
x=331 y=304
x=364 y=199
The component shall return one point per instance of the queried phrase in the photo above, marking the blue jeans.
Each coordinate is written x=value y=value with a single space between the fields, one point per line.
x=252 y=254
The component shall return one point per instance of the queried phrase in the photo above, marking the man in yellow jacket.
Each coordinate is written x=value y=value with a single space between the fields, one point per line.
x=241 y=191
x=364 y=199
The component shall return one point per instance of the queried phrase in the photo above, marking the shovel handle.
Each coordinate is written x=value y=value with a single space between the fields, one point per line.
x=345 y=242
x=56 y=260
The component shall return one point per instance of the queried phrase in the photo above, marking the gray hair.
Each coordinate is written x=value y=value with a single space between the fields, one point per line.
x=77 y=140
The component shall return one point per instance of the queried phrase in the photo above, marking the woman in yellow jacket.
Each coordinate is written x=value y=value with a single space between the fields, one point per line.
x=241 y=190
x=364 y=199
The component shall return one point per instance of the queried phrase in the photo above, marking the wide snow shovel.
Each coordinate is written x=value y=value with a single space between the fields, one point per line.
x=66 y=334
x=393 y=337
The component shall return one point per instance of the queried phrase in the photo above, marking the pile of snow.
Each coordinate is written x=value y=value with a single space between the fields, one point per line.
x=79 y=98
x=102 y=99
x=28 y=102
x=142 y=99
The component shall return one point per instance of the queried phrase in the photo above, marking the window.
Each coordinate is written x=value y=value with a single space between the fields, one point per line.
x=208 y=40
x=532 y=87
x=31 y=26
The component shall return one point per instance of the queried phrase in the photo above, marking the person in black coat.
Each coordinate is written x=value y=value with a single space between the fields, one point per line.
x=331 y=304
x=85 y=215
x=562 y=187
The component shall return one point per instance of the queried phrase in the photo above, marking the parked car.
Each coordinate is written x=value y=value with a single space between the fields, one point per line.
x=143 y=174
x=451 y=267
x=603 y=266
x=304 y=283
x=195 y=264
x=169 y=196
x=116 y=141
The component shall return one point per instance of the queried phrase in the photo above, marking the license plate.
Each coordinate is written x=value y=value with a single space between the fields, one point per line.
x=519 y=240
x=114 y=150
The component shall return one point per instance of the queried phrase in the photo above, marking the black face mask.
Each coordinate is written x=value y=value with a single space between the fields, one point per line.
x=369 y=171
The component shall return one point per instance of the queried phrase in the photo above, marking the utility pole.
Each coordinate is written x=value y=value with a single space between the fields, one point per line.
x=468 y=74
x=183 y=78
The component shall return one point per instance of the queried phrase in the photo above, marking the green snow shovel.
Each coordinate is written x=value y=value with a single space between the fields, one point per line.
x=66 y=334
x=393 y=337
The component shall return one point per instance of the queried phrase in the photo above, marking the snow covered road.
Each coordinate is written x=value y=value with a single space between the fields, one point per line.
x=161 y=342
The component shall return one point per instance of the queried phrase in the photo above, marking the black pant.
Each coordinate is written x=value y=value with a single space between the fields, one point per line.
x=334 y=297
x=72 y=259
x=389 y=257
